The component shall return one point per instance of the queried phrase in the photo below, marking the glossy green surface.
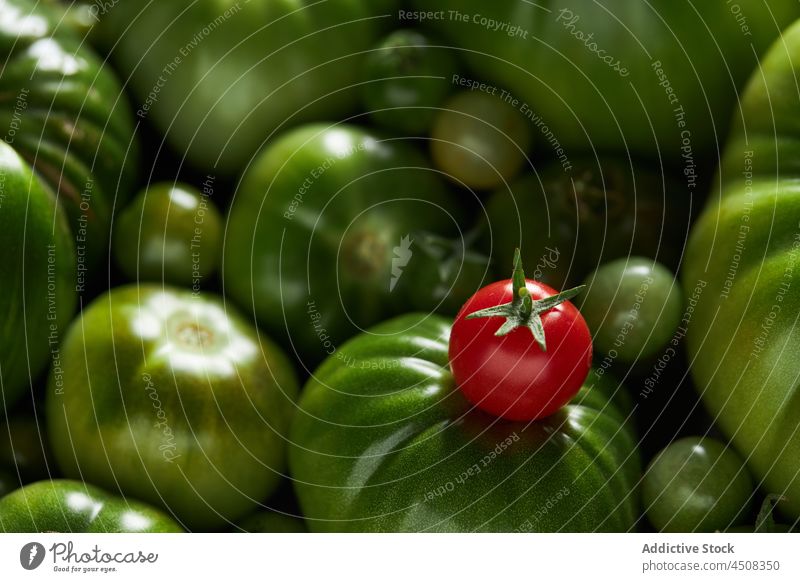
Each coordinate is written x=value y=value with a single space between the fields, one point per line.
x=62 y=109
x=407 y=76
x=37 y=277
x=588 y=72
x=442 y=274
x=385 y=442
x=570 y=220
x=696 y=485
x=75 y=507
x=323 y=228
x=218 y=77
x=175 y=398
x=170 y=232
x=480 y=141
x=741 y=273
x=633 y=307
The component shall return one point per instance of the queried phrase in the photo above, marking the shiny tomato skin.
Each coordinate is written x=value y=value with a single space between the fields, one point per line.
x=510 y=376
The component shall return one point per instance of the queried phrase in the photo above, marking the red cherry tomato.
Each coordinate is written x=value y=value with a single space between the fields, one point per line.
x=511 y=375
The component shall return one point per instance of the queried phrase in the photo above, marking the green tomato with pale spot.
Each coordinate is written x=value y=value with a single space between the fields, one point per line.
x=172 y=397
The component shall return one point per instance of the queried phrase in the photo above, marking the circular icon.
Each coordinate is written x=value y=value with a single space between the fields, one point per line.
x=31 y=555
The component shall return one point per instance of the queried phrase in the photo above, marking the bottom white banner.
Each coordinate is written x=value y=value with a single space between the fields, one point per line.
x=400 y=557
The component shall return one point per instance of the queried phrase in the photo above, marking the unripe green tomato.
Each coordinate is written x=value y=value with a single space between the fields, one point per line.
x=633 y=307
x=406 y=77
x=441 y=274
x=65 y=506
x=269 y=64
x=173 y=398
x=567 y=221
x=479 y=140
x=696 y=485
x=171 y=232
x=37 y=274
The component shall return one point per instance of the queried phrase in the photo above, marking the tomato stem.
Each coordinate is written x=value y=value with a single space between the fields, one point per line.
x=765 y=522
x=522 y=310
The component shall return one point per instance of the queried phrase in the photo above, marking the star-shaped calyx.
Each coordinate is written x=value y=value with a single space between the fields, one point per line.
x=522 y=310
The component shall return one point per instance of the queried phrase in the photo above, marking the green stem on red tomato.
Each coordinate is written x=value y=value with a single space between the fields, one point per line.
x=522 y=311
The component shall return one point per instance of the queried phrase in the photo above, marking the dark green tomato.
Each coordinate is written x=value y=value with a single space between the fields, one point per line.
x=321 y=231
x=441 y=274
x=572 y=219
x=272 y=522
x=606 y=393
x=696 y=485
x=24 y=450
x=37 y=277
x=173 y=398
x=64 y=111
x=74 y=507
x=218 y=77
x=617 y=75
x=384 y=441
x=479 y=140
x=407 y=76
x=170 y=233
x=633 y=307
x=741 y=279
